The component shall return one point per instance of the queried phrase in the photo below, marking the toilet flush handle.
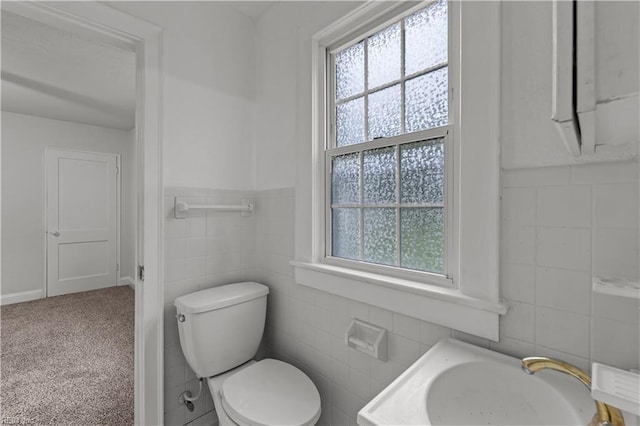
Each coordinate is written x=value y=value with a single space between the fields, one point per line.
x=180 y=317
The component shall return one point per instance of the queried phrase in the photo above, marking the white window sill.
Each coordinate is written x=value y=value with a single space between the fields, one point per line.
x=444 y=306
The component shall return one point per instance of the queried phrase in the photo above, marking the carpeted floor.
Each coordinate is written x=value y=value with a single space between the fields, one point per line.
x=68 y=360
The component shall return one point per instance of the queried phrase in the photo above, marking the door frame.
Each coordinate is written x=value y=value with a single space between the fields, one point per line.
x=145 y=39
x=47 y=152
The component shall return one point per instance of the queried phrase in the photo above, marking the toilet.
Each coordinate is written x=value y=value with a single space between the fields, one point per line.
x=220 y=330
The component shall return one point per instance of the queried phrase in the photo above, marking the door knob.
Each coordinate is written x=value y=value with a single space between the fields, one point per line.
x=55 y=233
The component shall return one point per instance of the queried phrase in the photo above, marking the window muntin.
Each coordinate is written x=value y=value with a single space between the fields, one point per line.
x=386 y=174
x=394 y=81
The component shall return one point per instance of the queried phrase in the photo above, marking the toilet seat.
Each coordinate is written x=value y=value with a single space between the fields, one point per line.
x=271 y=392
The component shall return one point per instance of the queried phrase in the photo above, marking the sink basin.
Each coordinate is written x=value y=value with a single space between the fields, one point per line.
x=456 y=383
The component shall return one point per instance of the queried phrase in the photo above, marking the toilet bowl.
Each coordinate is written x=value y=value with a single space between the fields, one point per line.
x=220 y=330
x=267 y=392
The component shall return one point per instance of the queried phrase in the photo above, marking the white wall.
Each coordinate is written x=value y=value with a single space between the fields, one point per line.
x=305 y=326
x=208 y=66
x=529 y=137
x=559 y=225
x=283 y=86
x=24 y=140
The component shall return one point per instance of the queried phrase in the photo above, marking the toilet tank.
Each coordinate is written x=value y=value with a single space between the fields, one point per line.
x=221 y=327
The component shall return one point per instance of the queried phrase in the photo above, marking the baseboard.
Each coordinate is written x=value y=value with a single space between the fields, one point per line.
x=128 y=281
x=23 y=296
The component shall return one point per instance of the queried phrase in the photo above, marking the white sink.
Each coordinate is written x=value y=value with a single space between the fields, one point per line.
x=456 y=383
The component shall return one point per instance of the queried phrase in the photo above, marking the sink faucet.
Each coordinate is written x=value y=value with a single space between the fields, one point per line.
x=606 y=415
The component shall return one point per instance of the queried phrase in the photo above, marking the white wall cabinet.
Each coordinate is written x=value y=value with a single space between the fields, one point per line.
x=595 y=78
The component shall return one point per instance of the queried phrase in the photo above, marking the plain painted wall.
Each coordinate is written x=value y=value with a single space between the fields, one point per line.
x=24 y=140
x=208 y=91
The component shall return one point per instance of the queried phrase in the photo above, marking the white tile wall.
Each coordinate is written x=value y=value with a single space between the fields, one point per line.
x=586 y=222
x=204 y=250
x=559 y=225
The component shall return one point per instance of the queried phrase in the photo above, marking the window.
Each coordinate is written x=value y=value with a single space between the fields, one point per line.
x=365 y=230
x=390 y=131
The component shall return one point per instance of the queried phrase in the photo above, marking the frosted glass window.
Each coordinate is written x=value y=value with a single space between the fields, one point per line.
x=422 y=239
x=380 y=236
x=426 y=34
x=346 y=233
x=383 y=59
x=345 y=179
x=379 y=169
x=350 y=122
x=426 y=101
x=387 y=178
x=384 y=113
x=350 y=71
x=422 y=172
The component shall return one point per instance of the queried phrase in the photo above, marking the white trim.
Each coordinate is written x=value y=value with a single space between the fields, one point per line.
x=476 y=178
x=585 y=75
x=562 y=112
x=428 y=303
x=23 y=296
x=127 y=281
x=146 y=39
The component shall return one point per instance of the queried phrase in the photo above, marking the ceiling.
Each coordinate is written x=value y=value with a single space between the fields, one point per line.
x=73 y=75
x=252 y=9
x=56 y=73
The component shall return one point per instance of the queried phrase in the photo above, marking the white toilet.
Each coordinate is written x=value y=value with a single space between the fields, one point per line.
x=220 y=330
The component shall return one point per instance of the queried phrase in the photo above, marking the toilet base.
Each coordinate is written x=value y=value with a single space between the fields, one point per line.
x=215 y=386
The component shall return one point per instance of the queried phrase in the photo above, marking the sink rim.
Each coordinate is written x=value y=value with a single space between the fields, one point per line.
x=404 y=401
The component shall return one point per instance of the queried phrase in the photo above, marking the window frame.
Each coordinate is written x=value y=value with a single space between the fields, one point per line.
x=473 y=306
x=447 y=278
x=444 y=279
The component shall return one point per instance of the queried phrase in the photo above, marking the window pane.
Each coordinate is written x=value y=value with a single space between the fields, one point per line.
x=380 y=236
x=384 y=56
x=426 y=34
x=422 y=172
x=345 y=179
x=350 y=122
x=422 y=239
x=384 y=113
x=426 y=101
x=350 y=71
x=346 y=233
x=379 y=170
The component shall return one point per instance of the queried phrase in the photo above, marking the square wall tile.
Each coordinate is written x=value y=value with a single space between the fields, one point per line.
x=564 y=206
x=406 y=326
x=513 y=347
x=517 y=282
x=565 y=248
x=519 y=206
x=616 y=343
x=518 y=244
x=616 y=308
x=534 y=177
x=381 y=318
x=616 y=205
x=518 y=323
x=563 y=331
x=564 y=289
x=616 y=252
x=402 y=351
x=430 y=333
x=613 y=172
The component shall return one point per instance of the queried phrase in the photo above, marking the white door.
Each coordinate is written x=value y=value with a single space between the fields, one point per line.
x=81 y=221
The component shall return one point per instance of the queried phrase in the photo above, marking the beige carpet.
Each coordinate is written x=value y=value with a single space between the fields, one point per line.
x=68 y=360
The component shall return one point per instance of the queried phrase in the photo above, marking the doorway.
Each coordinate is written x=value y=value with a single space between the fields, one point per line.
x=122 y=29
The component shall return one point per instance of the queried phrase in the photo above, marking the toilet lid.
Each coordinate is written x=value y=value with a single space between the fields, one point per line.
x=271 y=392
